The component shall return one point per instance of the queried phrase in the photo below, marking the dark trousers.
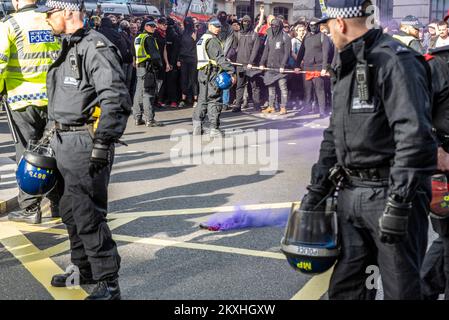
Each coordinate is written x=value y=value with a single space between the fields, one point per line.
x=272 y=93
x=128 y=72
x=171 y=90
x=144 y=99
x=30 y=125
x=360 y=206
x=189 y=79
x=312 y=88
x=245 y=82
x=83 y=206
x=435 y=270
x=209 y=102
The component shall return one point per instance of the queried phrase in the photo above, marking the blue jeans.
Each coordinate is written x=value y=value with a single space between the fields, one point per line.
x=226 y=95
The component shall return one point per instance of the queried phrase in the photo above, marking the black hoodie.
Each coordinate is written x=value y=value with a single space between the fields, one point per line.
x=114 y=36
x=248 y=46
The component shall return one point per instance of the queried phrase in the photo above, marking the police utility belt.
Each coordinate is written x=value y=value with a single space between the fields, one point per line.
x=65 y=127
x=341 y=174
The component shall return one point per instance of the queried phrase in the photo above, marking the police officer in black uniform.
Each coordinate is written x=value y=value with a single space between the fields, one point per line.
x=210 y=61
x=86 y=74
x=381 y=147
x=435 y=269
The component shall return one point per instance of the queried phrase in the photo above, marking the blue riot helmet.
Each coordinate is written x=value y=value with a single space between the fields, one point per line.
x=223 y=81
x=36 y=172
x=310 y=242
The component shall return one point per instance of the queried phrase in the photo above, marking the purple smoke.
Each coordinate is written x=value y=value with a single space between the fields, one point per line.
x=246 y=219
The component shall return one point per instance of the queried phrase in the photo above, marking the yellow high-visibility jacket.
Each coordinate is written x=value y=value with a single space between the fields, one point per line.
x=27 y=49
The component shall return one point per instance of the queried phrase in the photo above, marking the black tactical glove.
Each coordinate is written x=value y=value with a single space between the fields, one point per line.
x=99 y=158
x=311 y=199
x=394 y=221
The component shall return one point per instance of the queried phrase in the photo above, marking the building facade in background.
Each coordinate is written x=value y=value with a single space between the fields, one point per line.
x=425 y=10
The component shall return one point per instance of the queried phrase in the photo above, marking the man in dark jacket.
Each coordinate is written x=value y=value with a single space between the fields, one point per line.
x=380 y=144
x=172 y=47
x=313 y=56
x=275 y=56
x=128 y=55
x=247 y=53
x=435 y=268
x=187 y=62
x=160 y=35
x=108 y=30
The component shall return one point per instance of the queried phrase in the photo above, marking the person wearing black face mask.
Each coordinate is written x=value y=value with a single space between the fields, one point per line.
x=248 y=51
x=313 y=55
x=226 y=37
x=275 y=55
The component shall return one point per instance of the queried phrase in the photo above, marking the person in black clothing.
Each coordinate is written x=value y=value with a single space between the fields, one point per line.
x=275 y=55
x=226 y=32
x=435 y=268
x=160 y=35
x=380 y=146
x=187 y=61
x=313 y=56
x=172 y=47
x=128 y=67
x=114 y=36
x=84 y=155
x=211 y=61
x=248 y=51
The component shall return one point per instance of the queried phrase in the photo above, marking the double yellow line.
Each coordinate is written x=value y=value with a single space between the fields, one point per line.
x=42 y=267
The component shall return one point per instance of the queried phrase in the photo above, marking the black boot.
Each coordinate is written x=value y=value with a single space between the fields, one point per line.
x=54 y=210
x=32 y=214
x=60 y=280
x=139 y=121
x=106 y=290
x=154 y=123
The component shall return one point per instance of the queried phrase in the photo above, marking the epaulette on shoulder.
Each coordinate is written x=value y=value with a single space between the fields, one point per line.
x=396 y=46
x=98 y=42
x=428 y=57
x=6 y=18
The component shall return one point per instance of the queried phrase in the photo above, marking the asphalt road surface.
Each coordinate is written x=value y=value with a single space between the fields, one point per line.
x=163 y=185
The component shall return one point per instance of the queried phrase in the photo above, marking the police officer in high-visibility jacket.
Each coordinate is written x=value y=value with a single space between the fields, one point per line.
x=27 y=49
x=211 y=61
x=148 y=63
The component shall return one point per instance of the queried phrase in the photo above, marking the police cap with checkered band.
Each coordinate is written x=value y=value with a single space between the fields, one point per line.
x=72 y=5
x=345 y=9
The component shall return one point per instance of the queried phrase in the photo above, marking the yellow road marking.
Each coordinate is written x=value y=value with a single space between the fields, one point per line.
x=34 y=260
x=199 y=246
x=315 y=288
x=65 y=246
x=168 y=243
x=251 y=207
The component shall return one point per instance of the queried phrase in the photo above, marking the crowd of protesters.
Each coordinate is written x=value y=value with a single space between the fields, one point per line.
x=267 y=41
x=243 y=41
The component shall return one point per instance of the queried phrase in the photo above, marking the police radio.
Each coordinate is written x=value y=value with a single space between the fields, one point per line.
x=362 y=81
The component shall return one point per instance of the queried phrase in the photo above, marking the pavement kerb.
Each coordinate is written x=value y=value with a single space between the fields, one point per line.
x=8 y=197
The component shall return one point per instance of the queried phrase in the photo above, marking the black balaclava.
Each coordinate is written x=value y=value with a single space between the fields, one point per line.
x=223 y=17
x=314 y=28
x=189 y=25
x=276 y=26
x=246 y=26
